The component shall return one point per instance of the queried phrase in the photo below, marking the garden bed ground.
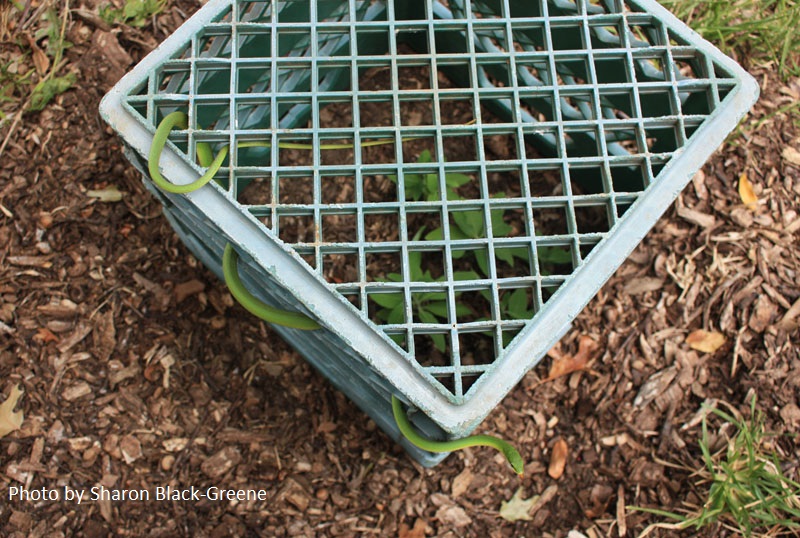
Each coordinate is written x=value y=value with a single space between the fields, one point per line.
x=139 y=371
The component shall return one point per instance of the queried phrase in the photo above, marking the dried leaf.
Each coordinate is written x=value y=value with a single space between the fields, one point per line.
x=109 y=194
x=568 y=364
x=461 y=483
x=517 y=508
x=9 y=420
x=418 y=531
x=655 y=385
x=558 y=459
x=746 y=192
x=45 y=335
x=705 y=341
x=453 y=515
x=791 y=156
x=40 y=59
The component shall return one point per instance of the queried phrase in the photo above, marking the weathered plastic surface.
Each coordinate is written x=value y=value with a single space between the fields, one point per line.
x=616 y=104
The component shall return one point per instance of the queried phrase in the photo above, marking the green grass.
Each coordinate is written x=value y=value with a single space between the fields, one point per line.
x=756 y=30
x=747 y=489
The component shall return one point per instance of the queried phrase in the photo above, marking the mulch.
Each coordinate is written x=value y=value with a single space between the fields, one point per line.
x=139 y=370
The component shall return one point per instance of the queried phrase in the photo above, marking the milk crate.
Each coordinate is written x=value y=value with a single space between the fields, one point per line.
x=441 y=185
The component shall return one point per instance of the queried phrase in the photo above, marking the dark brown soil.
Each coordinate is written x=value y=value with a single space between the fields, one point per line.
x=140 y=372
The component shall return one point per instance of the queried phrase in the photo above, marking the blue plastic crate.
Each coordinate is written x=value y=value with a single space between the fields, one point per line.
x=602 y=110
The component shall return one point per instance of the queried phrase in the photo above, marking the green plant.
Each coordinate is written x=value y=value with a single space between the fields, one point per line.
x=48 y=88
x=15 y=80
x=747 y=488
x=514 y=305
x=51 y=32
x=468 y=224
x=430 y=307
x=550 y=257
x=471 y=225
x=764 y=30
x=426 y=186
x=133 y=13
x=43 y=51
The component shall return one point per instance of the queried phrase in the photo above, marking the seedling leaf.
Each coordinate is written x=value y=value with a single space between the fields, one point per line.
x=554 y=256
x=47 y=89
x=387 y=300
x=438 y=309
x=518 y=304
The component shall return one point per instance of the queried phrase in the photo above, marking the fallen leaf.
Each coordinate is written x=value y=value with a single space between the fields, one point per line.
x=9 y=420
x=792 y=156
x=461 y=483
x=418 y=531
x=655 y=385
x=453 y=515
x=517 y=508
x=45 y=335
x=705 y=341
x=109 y=194
x=40 y=59
x=558 y=459
x=568 y=364
x=746 y=192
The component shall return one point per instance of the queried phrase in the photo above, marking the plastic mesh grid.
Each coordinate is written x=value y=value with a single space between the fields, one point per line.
x=515 y=136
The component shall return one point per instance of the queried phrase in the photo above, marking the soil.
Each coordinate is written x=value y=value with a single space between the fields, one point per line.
x=139 y=370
